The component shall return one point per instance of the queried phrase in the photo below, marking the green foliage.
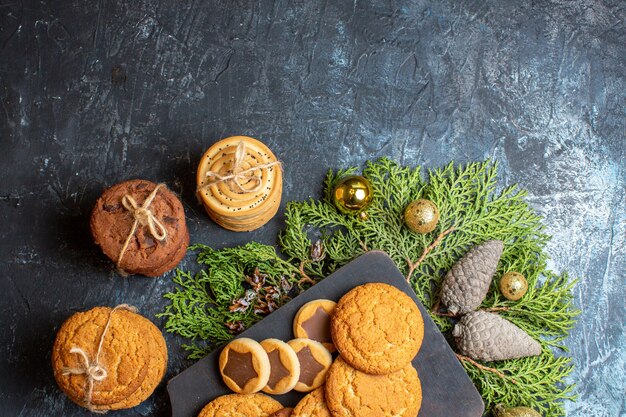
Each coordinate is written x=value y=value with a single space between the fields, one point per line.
x=199 y=307
x=471 y=203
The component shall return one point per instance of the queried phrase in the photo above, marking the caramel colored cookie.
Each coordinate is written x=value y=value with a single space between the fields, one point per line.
x=312 y=405
x=284 y=412
x=156 y=369
x=377 y=328
x=284 y=366
x=129 y=348
x=350 y=392
x=241 y=405
x=313 y=322
x=314 y=360
x=112 y=221
x=244 y=365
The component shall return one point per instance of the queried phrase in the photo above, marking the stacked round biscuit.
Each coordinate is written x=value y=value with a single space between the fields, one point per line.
x=141 y=227
x=240 y=183
x=377 y=330
x=108 y=359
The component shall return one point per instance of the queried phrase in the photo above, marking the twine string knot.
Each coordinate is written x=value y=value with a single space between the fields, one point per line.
x=237 y=174
x=142 y=217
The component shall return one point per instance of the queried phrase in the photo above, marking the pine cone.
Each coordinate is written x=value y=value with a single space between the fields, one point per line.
x=488 y=337
x=466 y=284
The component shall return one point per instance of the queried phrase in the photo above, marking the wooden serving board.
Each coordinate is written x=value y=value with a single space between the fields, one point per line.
x=446 y=388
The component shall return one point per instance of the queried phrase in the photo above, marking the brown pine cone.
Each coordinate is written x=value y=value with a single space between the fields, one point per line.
x=486 y=336
x=466 y=284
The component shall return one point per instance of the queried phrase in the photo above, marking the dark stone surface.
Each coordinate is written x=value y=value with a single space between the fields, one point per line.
x=94 y=92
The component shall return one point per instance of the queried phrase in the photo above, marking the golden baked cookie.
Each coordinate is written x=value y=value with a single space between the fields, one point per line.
x=283 y=412
x=312 y=321
x=284 y=367
x=377 y=328
x=241 y=405
x=244 y=365
x=350 y=392
x=312 y=405
x=314 y=360
x=119 y=370
x=156 y=369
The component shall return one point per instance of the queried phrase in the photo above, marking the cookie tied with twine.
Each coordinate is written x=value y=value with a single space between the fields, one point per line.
x=239 y=182
x=140 y=226
x=108 y=358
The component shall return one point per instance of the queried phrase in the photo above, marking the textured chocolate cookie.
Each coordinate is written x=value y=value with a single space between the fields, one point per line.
x=350 y=392
x=244 y=365
x=312 y=321
x=377 y=328
x=120 y=371
x=147 y=253
x=241 y=405
x=284 y=367
x=314 y=360
x=312 y=405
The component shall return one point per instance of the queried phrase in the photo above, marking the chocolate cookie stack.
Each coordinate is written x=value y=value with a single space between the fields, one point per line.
x=140 y=226
x=108 y=358
x=239 y=182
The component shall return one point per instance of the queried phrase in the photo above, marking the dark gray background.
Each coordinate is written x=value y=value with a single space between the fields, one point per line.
x=538 y=86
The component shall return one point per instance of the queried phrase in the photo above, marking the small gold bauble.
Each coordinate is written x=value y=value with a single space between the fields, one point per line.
x=513 y=286
x=352 y=194
x=421 y=216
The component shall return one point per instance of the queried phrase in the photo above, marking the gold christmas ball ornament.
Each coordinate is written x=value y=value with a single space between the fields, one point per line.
x=352 y=195
x=513 y=286
x=502 y=411
x=421 y=216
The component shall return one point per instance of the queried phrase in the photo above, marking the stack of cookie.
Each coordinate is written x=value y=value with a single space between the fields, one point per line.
x=377 y=330
x=141 y=227
x=108 y=358
x=239 y=182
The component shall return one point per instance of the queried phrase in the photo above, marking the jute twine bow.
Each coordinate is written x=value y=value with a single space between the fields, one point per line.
x=143 y=217
x=93 y=370
x=237 y=174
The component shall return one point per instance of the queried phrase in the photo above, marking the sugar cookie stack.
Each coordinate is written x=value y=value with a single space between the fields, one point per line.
x=239 y=182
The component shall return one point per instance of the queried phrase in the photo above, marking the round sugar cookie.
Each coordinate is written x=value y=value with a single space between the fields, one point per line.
x=244 y=365
x=312 y=405
x=156 y=368
x=284 y=367
x=312 y=321
x=350 y=392
x=314 y=360
x=377 y=328
x=241 y=405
